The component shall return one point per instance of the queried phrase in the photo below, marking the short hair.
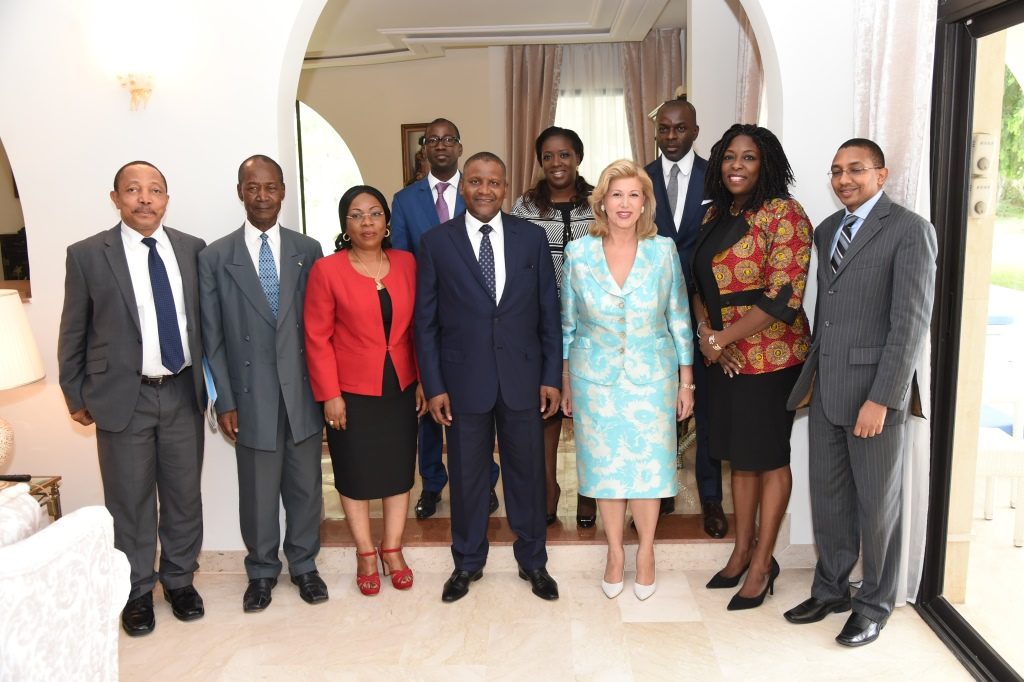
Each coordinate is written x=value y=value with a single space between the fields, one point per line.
x=445 y=120
x=265 y=159
x=619 y=170
x=540 y=194
x=877 y=157
x=679 y=102
x=120 y=171
x=773 y=179
x=485 y=156
x=346 y=202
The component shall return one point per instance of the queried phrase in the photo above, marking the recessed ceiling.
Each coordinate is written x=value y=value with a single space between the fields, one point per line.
x=355 y=32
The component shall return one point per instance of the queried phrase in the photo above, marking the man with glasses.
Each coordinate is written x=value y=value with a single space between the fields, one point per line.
x=425 y=203
x=876 y=281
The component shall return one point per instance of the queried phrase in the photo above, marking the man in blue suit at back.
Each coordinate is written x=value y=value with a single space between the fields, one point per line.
x=488 y=340
x=425 y=203
x=678 y=178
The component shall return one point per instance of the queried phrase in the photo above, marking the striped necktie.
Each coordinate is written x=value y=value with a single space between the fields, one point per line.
x=845 y=237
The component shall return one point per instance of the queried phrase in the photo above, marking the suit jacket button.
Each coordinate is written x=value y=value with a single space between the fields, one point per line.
x=245 y=390
x=622 y=304
x=247 y=363
x=246 y=337
x=828 y=323
x=831 y=291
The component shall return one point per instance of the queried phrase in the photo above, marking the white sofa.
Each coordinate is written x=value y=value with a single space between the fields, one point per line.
x=62 y=588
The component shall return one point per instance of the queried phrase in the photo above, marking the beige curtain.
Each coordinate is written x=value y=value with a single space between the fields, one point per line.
x=892 y=104
x=749 y=76
x=653 y=71
x=531 y=74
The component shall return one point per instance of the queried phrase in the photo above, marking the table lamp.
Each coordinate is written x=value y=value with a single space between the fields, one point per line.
x=20 y=363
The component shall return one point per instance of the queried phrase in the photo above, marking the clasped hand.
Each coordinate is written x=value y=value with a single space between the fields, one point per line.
x=728 y=358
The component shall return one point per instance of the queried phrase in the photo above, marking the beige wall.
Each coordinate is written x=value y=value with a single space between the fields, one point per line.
x=367 y=105
x=11 y=219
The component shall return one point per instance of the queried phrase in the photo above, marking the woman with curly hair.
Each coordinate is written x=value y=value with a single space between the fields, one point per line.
x=750 y=267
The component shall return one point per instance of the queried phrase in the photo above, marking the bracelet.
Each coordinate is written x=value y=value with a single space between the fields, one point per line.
x=713 y=343
x=688 y=387
x=700 y=324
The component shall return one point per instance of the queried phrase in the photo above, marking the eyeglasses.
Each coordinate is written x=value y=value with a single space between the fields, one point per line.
x=358 y=217
x=434 y=140
x=852 y=172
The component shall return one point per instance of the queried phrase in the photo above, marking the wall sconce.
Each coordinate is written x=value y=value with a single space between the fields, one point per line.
x=140 y=85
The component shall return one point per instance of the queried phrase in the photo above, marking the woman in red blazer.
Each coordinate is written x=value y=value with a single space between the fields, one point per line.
x=362 y=366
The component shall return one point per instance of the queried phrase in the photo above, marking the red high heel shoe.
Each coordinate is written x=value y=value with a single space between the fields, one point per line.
x=400 y=579
x=369 y=585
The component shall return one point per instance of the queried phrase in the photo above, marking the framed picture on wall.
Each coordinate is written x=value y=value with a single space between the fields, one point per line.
x=414 y=164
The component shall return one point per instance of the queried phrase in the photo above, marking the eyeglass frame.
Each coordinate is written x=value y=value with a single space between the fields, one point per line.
x=852 y=172
x=358 y=217
x=434 y=140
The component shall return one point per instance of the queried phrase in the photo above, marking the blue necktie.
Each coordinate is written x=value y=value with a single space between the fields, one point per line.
x=487 y=260
x=171 y=354
x=268 y=275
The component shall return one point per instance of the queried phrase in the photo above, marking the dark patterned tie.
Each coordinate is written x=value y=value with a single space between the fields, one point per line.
x=845 y=237
x=440 y=206
x=487 y=261
x=171 y=353
x=268 y=275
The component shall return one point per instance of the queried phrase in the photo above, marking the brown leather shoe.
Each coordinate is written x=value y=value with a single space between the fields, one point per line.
x=715 y=523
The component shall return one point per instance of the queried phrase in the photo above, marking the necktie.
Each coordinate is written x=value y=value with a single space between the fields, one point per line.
x=171 y=354
x=845 y=237
x=268 y=275
x=673 y=189
x=487 y=260
x=440 y=206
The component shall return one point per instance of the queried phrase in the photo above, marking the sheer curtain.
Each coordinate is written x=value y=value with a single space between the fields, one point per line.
x=591 y=101
x=531 y=76
x=750 y=75
x=892 y=104
x=653 y=71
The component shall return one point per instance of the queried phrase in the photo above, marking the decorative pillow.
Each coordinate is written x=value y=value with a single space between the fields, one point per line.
x=20 y=514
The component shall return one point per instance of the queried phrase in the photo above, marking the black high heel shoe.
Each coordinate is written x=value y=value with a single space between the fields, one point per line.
x=552 y=517
x=718 y=581
x=738 y=603
x=585 y=520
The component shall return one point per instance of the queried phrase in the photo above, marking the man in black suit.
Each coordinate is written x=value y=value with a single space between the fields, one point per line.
x=678 y=178
x=129 y=354
x=488 y=339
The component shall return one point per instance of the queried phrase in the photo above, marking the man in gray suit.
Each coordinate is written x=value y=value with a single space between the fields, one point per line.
x=252 y=286
x=129 y=353
x=876 y=280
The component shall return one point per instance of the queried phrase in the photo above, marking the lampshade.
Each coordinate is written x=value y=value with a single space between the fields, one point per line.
x=20 y=363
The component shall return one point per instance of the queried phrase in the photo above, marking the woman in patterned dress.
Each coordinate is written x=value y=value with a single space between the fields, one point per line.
x=559 y=204
x=627 y=364
x=750 y=267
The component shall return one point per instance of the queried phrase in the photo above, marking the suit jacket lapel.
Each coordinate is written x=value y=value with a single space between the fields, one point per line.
x=119 y=266
x=694 y=196
x=598 y=266
x=187 y=268
x=426 y=202
x=460 y=242
x=872 y=225
x=243 y=272
x=512 y=255
x=291 y=268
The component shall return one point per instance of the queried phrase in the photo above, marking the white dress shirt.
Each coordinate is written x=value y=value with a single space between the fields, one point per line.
x=685 y=168
x=450 y=192
x=137 y=255
x=497 y=245
x=253 y=243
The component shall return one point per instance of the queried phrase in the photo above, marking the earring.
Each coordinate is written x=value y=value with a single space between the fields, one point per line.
x=602 y=208
x=642 y=208
x=387 y=232
x=345 y=237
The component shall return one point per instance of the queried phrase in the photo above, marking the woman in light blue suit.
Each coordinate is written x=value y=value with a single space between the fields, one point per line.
x=627 y=353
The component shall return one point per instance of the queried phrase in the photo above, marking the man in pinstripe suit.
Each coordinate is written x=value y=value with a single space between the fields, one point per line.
x=876 y=277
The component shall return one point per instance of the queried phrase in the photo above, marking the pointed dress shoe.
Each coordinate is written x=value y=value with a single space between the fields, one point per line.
x=137 y=616
x=812 y=610
x=426 y=506
x=738 y=603
x=715 y=523
x=719 y=581
x=186 y=604
x=257 y=594
x=457 y=585
x=544 y=586
x=311 y=587
x=859 y=630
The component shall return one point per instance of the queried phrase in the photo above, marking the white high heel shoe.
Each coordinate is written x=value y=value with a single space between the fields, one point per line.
x=612 y=590
x=643 y=592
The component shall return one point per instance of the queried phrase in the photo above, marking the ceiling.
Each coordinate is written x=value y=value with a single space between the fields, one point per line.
x=356 y=32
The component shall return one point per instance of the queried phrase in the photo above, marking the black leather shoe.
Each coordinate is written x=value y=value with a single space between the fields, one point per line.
x=544 y=586
x=859 y=630
x=494 y=502
x=311 y=587
x=715 y=523
x=668 y=505
x=257 y=595
x=137 y=616
x=457 y=586
x=426 y=506
x=550 y=519
x=586 y=511
x=186 y=604
x=812 y=610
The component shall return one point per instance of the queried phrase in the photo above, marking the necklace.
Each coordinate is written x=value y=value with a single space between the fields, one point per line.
x=380 y=264
x=733 y=211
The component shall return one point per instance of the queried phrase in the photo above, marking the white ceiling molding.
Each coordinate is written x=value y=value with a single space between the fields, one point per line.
x=600 y=21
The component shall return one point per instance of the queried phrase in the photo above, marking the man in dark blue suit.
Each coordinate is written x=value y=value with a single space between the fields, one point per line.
x=678 y=178
x=488 y=339
x=425 y=203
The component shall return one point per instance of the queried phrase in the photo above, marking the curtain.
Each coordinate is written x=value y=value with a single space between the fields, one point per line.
x=531 y=76
x=892 y=103
x=750 y=75
x=591 y=101
x=653 y=71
